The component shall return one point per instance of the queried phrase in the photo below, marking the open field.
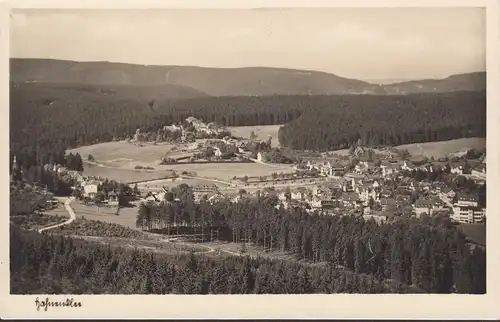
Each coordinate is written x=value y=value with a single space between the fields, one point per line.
x=117 y=160
x=262 y=131
x=123 y=153
x=435 y=149
x=124 y=174
x=443 y=148
x=126 y=217
x=229 y=170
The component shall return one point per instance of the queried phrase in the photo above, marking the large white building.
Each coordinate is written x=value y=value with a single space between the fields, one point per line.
x=468 y=211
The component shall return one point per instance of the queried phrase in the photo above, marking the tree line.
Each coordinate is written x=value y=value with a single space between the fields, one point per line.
x=429 y=253
x=387 y=121
x=45 y=120
x=51 y=264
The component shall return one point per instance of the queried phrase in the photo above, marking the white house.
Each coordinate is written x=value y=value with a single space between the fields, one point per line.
x=113 y=199
x=457 y=170
x=407 y=166
x=90 y=190
x=468 y=211
x=297 y=195
x=361 y=167
x=315 y=203
x=429 y=207
x=479 y=172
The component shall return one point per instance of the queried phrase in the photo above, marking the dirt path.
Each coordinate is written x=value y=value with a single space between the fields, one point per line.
x=72 y=216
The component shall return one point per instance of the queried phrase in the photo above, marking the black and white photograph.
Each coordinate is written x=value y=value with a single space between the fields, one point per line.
x=337 y=150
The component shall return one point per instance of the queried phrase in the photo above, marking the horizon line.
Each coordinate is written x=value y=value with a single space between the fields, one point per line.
x=364 y=79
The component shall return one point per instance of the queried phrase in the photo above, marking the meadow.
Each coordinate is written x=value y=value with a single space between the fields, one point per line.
x=437 y=149
x=126 y=216
x=123 y=174
x=123 y=154
x=262 y=132
x=443 y=148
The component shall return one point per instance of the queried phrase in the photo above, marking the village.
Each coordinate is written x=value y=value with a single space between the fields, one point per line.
x=379 y=184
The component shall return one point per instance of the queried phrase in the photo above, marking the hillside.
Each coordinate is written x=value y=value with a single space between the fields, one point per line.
x=462 y=82
x=247 y=81
x=60 y=92
x=387 y=120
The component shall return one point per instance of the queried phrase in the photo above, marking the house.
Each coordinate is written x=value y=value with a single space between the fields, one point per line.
x=298 y=194
x=447 y=193
x=361 y=167
x=215 y=198
x=467 y=210
x=479 y=171
x=386 y=193
x=387 y=168
x=379 y=219
x=90 y=189
x=457 y=169
x=172 y=128
x=315 y=203
x=468 y=200
x=466 y=213
x=218 y=152
x=408 y=166
x=358 y=151
x=350 y=199
x=427 y=206
x=262 y=157
x=366 y=192
x=389 y=204
x=113 y=199
x=282 y=196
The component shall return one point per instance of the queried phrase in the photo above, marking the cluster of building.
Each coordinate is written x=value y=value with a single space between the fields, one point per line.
x=209 y=129
x=381 y=189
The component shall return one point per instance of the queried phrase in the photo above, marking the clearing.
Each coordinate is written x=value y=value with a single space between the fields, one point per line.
x=123 y=174
x=262 y=131
x=122 y=153
x=117 y=161
x=437 y=149
x=442 y=149
x=127 y=216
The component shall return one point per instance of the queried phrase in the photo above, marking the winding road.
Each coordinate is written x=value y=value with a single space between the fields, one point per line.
x=71 y=212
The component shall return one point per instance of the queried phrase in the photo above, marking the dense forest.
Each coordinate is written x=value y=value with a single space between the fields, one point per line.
x=429 y=253
x=46 y=120
x=56 y=264
x=388 y=120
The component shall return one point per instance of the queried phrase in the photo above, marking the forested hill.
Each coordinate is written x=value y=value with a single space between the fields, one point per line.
x=257 y=81
x=47 y=120
x=462 y=82
x=388 y=120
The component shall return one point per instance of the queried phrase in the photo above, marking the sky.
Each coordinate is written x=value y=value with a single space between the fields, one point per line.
x=362 y=43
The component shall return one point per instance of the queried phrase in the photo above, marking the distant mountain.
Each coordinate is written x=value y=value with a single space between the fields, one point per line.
x=75 y=90
x=258 y=81
x=460 y=82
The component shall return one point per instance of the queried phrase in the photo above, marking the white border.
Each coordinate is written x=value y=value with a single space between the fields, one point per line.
x=268 y=306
